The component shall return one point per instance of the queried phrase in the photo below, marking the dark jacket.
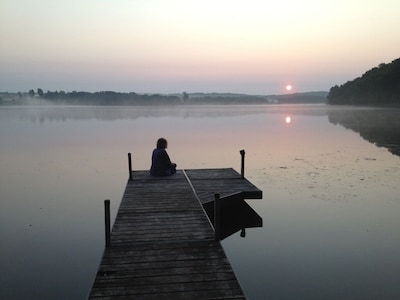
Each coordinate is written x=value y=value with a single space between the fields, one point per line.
x=161 y=164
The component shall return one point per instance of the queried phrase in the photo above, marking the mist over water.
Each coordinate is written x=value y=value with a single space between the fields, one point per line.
x=330 y=179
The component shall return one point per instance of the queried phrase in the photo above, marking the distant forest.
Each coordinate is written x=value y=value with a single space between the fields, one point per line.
x=115 y=98
x=107 y=98
x=378 y=86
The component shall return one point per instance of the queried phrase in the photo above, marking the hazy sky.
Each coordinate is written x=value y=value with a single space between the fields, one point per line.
x=167 y=46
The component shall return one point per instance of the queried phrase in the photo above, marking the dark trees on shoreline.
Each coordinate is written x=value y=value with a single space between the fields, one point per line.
x=378 y=86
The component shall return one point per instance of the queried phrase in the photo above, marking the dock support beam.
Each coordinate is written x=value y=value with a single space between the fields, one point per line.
x=217 y=215
x=130 y=166
x=107 y=222
x=242 y=153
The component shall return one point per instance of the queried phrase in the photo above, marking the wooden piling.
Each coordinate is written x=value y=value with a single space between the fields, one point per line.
x=130 y=166
x=242 y=153
x=107 y=222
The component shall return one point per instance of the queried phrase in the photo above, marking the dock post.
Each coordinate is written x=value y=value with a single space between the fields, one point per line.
x=130 y=166
x=107 y=222
x=217 y=216
x=242 y=153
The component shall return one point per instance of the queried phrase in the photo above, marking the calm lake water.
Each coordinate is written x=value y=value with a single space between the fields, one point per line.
x=330 y=177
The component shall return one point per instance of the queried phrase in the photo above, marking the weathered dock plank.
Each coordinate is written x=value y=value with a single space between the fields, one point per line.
x=162 y=243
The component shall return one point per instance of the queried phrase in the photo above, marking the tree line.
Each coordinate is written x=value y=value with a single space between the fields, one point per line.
x=378 y=86
x=132 y=98
x=104 y=98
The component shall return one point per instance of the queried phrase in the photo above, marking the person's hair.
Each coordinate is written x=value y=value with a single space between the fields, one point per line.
x=162 y=143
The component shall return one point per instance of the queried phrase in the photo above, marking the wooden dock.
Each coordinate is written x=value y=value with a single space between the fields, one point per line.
x=163 y=244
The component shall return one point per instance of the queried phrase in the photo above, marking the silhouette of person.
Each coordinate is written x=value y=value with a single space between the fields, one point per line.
x=161 y=164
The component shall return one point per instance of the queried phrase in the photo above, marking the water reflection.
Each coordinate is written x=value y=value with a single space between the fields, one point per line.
x=75 y=113
x=330 y=215
x=378 y=126
x=44 y=114
x=236 y=215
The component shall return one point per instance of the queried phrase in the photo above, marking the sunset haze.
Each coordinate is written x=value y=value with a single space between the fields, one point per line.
x=254 y=47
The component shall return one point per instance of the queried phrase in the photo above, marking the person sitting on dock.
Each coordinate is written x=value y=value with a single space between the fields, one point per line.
x=161 y=164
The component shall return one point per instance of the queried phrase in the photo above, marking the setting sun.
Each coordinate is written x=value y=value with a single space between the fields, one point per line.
x=288 y=119
x=288 y=87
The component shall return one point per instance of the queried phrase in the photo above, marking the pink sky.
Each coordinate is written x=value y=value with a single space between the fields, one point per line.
x=172 y=46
